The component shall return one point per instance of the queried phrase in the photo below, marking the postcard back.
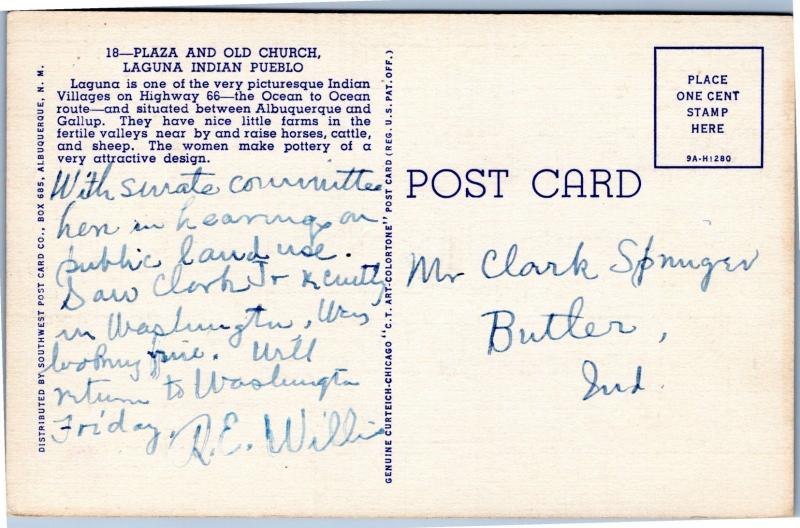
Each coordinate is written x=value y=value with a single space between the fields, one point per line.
x=399 y=264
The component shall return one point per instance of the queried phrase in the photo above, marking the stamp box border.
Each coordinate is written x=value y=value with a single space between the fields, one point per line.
x=655 y=110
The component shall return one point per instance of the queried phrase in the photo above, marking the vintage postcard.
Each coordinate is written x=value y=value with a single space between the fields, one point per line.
x=412 y=265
